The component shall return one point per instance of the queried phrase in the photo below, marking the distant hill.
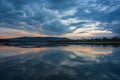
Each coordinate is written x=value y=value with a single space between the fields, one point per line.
x=34 y=39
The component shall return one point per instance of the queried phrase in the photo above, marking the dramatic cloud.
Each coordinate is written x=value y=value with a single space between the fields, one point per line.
x=74 y=18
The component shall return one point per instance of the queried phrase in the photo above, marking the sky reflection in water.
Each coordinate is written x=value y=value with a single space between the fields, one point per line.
x=73 y=62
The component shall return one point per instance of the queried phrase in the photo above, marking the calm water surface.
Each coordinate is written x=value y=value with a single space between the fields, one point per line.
x=73 y=62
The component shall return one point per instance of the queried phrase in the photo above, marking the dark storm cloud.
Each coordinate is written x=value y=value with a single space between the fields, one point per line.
x=28 y=15
x=45 y=16
x=54 y=26
x=61 y=5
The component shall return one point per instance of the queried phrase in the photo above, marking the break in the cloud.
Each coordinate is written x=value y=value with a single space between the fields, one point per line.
x=73 y=18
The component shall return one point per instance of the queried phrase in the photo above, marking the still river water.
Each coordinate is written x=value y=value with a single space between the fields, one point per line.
x=71 y=62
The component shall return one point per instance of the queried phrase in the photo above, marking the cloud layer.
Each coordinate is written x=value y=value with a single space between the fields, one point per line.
x=74 y=18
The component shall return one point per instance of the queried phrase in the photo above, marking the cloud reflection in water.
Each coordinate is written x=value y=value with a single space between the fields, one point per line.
x=58 y=63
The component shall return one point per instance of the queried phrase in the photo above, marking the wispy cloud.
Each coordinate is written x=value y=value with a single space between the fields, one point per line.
x=61 y=17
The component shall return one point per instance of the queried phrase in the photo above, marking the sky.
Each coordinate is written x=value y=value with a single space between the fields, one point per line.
x=59 y=18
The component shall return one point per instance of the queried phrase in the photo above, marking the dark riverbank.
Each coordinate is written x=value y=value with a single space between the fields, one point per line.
x=55 y=41
x=51 y=44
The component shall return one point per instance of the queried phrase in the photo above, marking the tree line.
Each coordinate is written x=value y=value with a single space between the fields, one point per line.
x=103 y=39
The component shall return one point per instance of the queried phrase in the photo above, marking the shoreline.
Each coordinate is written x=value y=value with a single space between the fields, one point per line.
x=51 y=44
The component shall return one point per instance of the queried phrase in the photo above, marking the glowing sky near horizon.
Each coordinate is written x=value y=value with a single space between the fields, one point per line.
x=61 y=18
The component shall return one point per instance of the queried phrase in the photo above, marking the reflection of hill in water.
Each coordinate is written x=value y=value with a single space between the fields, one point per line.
x=78 y=50
x=61 y=62
x=44 y=44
